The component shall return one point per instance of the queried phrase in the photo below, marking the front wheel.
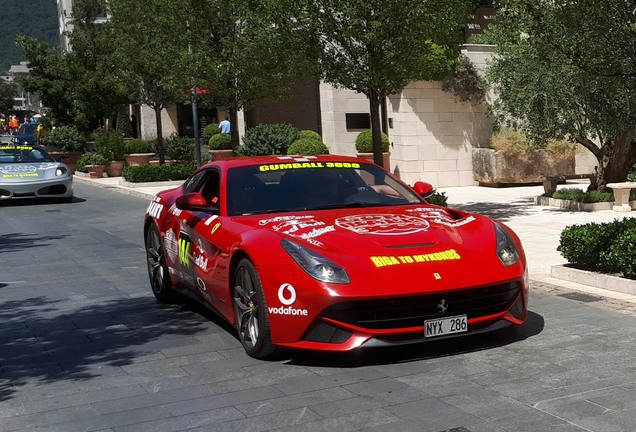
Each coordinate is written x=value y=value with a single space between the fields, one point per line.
x=157 y=268
x=250 y=311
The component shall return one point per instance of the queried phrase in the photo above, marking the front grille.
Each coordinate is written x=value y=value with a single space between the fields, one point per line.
x=412 y=311
x=53 y=190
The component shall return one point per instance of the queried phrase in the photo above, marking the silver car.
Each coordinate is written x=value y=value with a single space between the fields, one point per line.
x=30 y=172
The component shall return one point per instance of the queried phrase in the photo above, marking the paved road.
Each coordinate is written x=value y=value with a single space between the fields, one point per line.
x=84 y=347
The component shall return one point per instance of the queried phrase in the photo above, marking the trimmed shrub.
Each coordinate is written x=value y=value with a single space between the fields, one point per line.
x=90 y=159
x=623 y=252
x=179 y=148
x=576 y=194
x=267 y=139
x=307 y=146
x=111 y=145
x=309 y=134
x=588 y=246
x=64 y=138
x=220 y=142
x=364 y=142
x=150 y=173
x=210 y=130
x=438 y=198
x=138 y=145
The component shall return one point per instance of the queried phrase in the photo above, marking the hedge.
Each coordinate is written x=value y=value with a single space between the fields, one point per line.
x=601 y=247
x=150 y=173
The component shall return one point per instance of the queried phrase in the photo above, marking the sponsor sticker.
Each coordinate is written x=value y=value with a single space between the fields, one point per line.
x=301 y=165
x=287 y=296
x=155 y=208
x=392 y=260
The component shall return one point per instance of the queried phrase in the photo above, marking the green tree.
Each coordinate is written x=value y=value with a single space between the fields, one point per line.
x=151 y=54
x=559 y=73
x=245 y=51
x=7 y=92
x=377 y=47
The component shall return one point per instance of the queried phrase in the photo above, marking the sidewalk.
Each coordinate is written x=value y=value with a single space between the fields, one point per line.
x=538 y=227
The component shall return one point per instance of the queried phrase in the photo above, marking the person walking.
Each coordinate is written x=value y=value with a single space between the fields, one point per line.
x=224 y=126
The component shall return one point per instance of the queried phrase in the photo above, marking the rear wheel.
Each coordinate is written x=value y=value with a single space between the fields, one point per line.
x=250 y=310
x=157 y=268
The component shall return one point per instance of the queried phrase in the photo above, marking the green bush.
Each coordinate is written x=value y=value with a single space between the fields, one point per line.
x=90 y=159
x=267 y=139
x=210 y=130
x=64 y=138
x=310 y=135
x=589 y=246
x=111 y=145
x=623 y=252
x=579 y=195
x=437 y=198
x=179 y=148
x=364 y=142
x=220 y=142
x=138 y=145
x=151 y=173
x=307 y=146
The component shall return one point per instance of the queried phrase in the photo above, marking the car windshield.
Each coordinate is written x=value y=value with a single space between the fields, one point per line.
x=27 y=129
x=23 y=154
x=322 y=185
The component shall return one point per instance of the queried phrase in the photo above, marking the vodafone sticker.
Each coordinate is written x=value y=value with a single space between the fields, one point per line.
x=383 y=224
x=287 y=296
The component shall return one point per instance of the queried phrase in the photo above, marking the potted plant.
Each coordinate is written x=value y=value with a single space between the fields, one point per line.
x=221 y=147
x=65 y=144
x=138 y=152
x=307 y=146
x=92 y=163
x=111 y=145
x=364 y=147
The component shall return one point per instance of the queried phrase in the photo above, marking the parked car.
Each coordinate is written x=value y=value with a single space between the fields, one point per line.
x=26 y=134
x=330 y=253
x=30 y=172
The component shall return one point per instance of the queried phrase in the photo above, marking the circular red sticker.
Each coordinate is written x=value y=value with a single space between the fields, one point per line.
x=383 y=224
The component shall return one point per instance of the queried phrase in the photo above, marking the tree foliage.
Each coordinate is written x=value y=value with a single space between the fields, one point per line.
x=559 y=73
x=377 y=47
x=245 y=52
x=7 y=92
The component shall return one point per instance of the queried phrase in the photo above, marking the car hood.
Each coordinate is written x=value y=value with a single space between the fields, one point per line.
x=421 y=229
x=19 y=172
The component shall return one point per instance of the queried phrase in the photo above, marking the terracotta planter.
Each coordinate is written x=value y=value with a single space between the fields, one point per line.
x=135 y=159
x=115 y=168
x=386 y=159
x=166 y=162
x=95 y=171
x=221 y=154
x=69 y=158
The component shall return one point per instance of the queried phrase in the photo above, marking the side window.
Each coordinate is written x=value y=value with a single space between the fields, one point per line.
x=193 y=184
x=209 y=187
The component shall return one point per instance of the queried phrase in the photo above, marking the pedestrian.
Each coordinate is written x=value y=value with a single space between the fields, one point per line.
x=14 y=123
x=3 y=125
x=224 y=126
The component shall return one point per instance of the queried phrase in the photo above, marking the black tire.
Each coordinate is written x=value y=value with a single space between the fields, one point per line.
x=250 y=310
x=157 y=268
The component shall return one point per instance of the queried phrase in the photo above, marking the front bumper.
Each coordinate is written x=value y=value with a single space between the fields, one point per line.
x=61 y=187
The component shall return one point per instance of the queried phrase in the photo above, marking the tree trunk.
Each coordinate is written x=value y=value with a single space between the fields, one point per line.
x=234 y=133
x=160 y=149
x=374 y=109
x=615 y=159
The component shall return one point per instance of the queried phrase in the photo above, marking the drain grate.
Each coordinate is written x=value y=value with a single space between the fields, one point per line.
x=585 y=298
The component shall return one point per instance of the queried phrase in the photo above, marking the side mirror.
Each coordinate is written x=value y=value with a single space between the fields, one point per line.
x=192 y=201
x=423 y=189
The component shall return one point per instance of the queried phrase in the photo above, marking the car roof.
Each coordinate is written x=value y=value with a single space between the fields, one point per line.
x=277 y=159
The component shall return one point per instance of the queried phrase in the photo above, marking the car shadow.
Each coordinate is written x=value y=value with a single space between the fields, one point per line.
x=22 y=202
x=533 y=326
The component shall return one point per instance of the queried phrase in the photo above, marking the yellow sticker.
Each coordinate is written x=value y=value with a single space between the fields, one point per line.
x=384 y=261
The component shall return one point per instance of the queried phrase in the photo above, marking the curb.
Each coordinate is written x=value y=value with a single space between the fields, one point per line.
x=596 y=280
x=151 y=184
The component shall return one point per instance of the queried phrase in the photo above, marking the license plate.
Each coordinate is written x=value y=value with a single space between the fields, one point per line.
x=445 y=326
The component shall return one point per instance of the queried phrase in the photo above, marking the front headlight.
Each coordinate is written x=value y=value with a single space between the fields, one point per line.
x=314 y=264
x=59 y=171
x=506 y=249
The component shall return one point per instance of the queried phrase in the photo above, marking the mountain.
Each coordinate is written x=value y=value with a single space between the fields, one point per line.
x=36 y=18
